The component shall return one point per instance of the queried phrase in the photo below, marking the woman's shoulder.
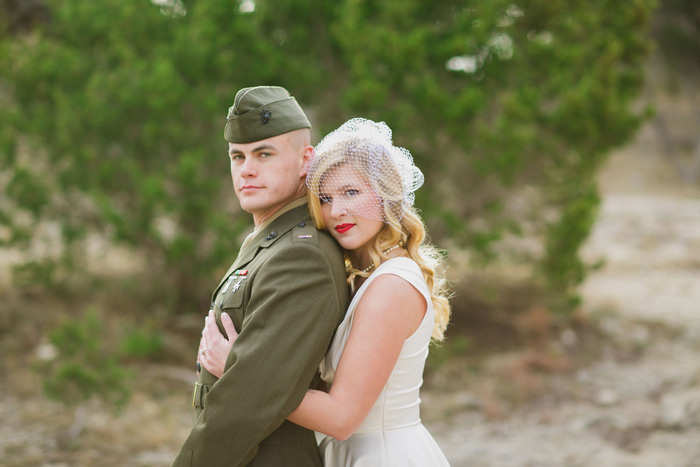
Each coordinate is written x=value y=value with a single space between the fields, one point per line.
x=400 y=273
x=389 y=290
x=397 y=288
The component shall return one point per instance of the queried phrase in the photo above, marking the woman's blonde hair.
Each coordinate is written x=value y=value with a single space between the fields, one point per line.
x=402 y=226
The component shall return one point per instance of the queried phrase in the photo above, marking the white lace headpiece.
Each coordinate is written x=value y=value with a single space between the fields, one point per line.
x=365 y=147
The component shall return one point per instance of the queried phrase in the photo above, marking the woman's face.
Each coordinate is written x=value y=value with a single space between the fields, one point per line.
x=352 y=210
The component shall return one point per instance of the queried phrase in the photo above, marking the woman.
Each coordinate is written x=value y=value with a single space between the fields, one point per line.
x=361 y=190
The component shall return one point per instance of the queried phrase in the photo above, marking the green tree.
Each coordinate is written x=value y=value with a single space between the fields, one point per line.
x=118 y=107
x=81 y=366
x=84 y=367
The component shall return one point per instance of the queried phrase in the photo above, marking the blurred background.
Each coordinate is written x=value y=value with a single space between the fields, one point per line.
x=561 y=146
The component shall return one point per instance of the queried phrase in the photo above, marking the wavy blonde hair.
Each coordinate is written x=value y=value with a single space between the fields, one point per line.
x=403 y=226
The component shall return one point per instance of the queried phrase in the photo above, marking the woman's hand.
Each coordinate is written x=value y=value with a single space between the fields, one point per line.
x=213 y=346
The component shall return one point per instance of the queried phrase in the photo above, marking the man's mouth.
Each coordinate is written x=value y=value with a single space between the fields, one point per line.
x=342 y=228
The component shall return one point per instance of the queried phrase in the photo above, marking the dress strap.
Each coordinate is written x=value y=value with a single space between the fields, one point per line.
x=408 y=270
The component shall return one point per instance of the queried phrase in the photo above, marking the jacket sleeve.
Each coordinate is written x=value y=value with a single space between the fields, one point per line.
x=290 y=319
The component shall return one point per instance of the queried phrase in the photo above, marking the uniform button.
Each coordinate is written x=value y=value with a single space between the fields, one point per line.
x=302 y=224
x=271 y=236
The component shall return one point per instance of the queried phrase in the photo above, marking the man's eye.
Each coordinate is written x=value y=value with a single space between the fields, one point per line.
x=237 y=157
x=265 y=154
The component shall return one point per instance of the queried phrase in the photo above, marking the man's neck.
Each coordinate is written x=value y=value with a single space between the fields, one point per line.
x=278 y=211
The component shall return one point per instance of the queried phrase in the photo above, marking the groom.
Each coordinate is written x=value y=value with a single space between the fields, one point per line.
x=285 y=292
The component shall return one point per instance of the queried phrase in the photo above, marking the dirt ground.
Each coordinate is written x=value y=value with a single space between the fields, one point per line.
x=627 y=394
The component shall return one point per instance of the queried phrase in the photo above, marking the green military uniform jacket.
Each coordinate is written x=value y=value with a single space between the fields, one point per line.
x=286 y=294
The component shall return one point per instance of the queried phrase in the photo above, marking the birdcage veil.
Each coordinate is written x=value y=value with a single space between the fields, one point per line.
x=366 y=148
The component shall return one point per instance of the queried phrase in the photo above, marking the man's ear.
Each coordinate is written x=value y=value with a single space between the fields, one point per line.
x=308 y=157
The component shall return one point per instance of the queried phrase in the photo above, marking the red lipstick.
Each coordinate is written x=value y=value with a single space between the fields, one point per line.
x=342 y=228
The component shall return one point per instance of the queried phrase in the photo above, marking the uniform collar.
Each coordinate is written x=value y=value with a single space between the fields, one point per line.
x=268 y=233
x=288 y=207
x=262 y=227
x=287 y=219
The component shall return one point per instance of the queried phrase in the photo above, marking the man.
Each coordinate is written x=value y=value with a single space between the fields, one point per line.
x=285 y=292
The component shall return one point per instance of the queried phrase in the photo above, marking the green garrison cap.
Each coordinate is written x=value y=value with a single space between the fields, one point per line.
x=262 y=112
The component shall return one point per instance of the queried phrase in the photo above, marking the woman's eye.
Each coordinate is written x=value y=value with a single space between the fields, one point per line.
x=352 y=192
x=325 y=199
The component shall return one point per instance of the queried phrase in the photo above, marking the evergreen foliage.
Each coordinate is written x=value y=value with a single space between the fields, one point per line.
x=113 y=114
x=84 y=366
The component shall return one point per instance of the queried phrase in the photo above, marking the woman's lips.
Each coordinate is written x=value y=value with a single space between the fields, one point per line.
x=342 y=228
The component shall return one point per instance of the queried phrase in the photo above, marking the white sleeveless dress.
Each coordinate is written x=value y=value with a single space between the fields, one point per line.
x=392 y=435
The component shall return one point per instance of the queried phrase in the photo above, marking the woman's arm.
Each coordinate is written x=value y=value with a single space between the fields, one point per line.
x=388 y=313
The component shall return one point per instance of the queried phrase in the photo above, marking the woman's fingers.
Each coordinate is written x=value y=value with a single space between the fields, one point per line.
x=210 y=327
x=229 y=327
x=214 y=347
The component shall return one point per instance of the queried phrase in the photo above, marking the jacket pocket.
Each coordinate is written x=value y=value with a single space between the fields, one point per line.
x=233 y=298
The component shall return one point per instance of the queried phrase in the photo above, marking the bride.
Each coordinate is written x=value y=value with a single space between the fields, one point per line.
x=361 y=190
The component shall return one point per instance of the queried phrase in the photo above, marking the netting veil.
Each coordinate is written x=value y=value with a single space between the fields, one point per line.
x=358 y=166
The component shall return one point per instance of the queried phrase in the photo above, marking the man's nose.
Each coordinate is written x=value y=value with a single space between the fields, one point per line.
x=248 y=168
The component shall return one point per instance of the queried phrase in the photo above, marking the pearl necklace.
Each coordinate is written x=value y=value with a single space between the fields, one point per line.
x=371 y=266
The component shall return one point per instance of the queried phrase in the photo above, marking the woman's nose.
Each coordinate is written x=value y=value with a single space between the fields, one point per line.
x=337 y=210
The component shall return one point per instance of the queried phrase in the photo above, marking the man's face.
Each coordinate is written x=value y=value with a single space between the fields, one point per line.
x=270 y=173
